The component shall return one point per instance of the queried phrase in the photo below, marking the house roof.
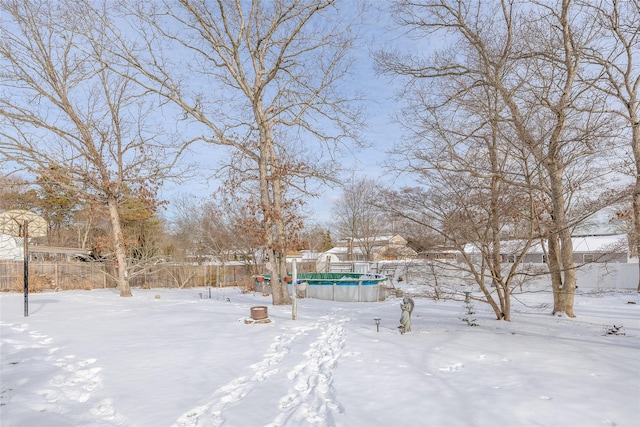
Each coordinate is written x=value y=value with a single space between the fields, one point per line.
x=615 y=243
x=372 y=240
x=381 y=244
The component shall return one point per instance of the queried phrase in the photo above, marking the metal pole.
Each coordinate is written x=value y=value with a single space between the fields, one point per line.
x=294 y=280
x=25 y=235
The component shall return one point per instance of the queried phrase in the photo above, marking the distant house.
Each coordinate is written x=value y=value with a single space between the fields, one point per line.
x=439 y=254
x=294 y=255
x=306 y=259
x=376 y=248
x=586 y=249
x=610 y=248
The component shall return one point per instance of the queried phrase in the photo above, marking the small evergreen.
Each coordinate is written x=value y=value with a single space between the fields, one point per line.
x=469 y=317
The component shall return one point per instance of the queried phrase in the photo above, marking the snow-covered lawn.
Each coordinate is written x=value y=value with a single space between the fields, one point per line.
x=91 y=358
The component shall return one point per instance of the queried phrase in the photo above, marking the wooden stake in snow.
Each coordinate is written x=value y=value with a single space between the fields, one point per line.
x=26 y=267
x=294 y=280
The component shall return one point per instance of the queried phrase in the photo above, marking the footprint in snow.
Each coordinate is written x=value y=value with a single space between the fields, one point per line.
x=73 y=383
x=239 y=387
x=311 y=399
x=451 y=368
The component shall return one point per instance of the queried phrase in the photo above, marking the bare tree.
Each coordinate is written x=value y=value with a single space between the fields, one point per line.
x=358 y=217
x=90 y=223
x=181 y=274
x=60 y=105
x=618 y=77
x=214 y=229
x=260 y=79
x=316 y=237
x=11 y=189
x=529 y=57
x=478 y=193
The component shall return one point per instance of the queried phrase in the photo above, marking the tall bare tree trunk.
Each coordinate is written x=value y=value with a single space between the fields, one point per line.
x=283 y=296
x=497 y=279
x=555 y=268
x=271 y=196
x=120 y=252
x=563 y=298
x=564 y=274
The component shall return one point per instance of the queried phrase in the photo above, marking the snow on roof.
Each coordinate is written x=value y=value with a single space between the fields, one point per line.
x=340 y=250
x=612 y=243
x=381 y=240
x=615 y=243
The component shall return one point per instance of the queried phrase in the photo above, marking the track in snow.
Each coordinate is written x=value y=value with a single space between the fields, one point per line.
x=71 y=387
x=311 y=396
x=312 y=399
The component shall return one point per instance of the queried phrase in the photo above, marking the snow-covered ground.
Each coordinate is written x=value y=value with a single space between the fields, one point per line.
x=91 y=358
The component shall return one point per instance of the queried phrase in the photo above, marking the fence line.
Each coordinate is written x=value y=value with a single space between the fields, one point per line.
x=600 y=276
x=48 y=275
x=60 y=275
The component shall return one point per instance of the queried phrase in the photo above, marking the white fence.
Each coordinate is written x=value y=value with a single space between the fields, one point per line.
x=589 y=276
x=601 y=276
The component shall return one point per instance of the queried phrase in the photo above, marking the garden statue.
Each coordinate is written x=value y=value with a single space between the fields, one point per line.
x=410 y=303
x=405 y=319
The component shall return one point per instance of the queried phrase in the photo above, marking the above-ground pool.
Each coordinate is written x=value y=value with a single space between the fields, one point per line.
x=348 y=287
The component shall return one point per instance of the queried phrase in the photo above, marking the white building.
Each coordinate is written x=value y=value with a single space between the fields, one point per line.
x=586 y=249
x=377 y=248
x=11 y=248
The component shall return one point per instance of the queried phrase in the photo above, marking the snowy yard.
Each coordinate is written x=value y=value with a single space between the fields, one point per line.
x=91 y=358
